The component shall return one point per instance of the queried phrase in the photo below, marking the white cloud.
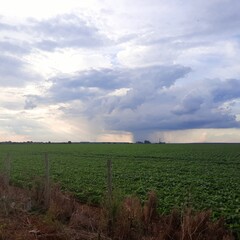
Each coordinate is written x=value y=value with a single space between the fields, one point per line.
x=43 y=9
x=66 y=61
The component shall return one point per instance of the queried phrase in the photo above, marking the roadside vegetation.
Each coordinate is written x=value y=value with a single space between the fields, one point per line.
x=24 y=215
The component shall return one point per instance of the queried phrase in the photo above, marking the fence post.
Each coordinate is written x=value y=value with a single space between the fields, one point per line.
x=109 y=178
x=47 y=188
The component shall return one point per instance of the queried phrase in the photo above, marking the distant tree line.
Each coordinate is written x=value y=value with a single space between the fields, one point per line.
x=148 y=142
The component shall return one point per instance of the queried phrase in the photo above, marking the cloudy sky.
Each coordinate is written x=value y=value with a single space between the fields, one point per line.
x=104 y=70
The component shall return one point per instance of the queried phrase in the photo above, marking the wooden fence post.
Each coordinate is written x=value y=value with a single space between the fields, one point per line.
x=47 y=188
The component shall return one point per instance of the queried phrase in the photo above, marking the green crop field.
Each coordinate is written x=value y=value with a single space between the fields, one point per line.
x=204 y=176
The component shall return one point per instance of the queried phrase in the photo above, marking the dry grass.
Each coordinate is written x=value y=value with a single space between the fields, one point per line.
x=118 y=218
x=62 y=205
x=135 y=221
x=190 y=225
x=129 y=224
x=13 y=199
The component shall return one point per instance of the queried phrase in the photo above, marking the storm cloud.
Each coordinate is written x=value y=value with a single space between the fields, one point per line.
x=151 y=99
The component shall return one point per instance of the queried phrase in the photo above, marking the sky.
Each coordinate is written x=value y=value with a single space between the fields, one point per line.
x=103 y=70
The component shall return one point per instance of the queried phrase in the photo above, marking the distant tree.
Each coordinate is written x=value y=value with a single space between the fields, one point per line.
x=69 y=142
x=147 y=142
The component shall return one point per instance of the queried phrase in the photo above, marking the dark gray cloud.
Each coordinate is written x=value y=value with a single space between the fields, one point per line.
x=66 y=31
x=189 y=105
x=61 y=31
x=15 y=48
x=143 y=82
x=226 y=90
x=153 y=101
x=13 y=72
x=9 y=43
x=229 y=18
x=104 y=78
x=30 y=102
x=157 y=115
x=150 y=122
